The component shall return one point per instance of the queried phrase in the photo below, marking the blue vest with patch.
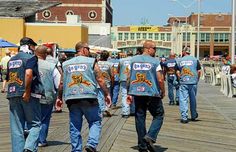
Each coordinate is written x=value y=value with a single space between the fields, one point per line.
x=46 y=73
x=105 y=67
x=16 y=75
x=143 y=77
x=115 y=65
x=188 y=70
x=124 y=68
x=171 y=68
x=79 y=79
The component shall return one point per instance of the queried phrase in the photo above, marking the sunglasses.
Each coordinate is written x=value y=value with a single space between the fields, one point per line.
x=87 y=48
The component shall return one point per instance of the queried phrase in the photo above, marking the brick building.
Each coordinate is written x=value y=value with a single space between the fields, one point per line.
x=89 y=11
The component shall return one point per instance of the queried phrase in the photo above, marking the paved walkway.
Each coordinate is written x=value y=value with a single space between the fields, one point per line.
x=214 y=132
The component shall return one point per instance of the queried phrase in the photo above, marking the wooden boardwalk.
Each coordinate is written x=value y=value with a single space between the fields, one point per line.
x=214 y=132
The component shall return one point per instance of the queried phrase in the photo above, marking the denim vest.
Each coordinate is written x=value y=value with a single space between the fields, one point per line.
x=171 y=68
x=79 y=79
x=188 y=70
x=115 y=65
x=143 y=77
x=124 y=68
x=16 y=75
x=105 y=67
x=46 y=73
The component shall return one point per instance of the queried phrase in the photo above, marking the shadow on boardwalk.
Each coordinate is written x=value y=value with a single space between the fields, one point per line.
x=214 y=132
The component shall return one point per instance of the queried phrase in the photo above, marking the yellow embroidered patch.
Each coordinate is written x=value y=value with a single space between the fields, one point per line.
x=141 y=78
x=77 y=80
x=14 y=79
x=186 y=71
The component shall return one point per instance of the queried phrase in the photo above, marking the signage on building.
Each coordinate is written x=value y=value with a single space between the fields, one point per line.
x=144 y=29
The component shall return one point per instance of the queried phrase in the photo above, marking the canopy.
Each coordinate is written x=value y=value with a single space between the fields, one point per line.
x=5 y=44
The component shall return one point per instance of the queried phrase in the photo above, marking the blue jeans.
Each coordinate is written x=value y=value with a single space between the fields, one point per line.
x=22 y=113
x=171 y=85
x=126 y=108
x=155 y=107
x=94 y=119
x=188 y=92
x=46 y=113
x=101 y=100
x=115 y=92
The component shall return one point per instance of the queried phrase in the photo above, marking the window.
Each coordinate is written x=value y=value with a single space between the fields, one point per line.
x=46 y=14
x=216 y=37
x=126 y=36
x=221 y=37
x=156 y=36
x=150 y=36
x=69 y=12
x=132 y=36
x=168 y=37
x=144 y=35
x=120 y=36
x=138 y=36
x=188 y=36
x=208 y=37
x=163 y=36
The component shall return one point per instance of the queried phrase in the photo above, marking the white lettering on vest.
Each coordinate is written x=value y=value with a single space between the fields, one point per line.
x=15 y=64
x=77 y=68
x=142 y=66
x=186 y=63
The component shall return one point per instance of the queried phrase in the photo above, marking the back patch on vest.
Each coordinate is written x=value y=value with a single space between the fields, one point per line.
x=14 y=79
x=141 y=78
x=78 y=80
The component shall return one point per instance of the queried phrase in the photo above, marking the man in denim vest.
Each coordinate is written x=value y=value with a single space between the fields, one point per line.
x=105 y=67
x=188 y=74
x=81 y=75
x=127 y=108
x=170 y=69
x=115 y=84
x=24 y=92
x=146 y=84
x=50 y=77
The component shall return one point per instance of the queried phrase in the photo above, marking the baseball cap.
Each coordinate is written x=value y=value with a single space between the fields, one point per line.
x=27 y=41
x=187 y=50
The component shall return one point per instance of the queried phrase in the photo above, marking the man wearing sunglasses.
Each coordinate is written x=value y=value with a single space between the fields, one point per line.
x=81 y=75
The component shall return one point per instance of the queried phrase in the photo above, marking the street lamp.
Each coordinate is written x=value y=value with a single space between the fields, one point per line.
x=233 y=33
x=198 y=28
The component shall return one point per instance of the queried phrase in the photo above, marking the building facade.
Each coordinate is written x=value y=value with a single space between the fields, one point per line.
x=215 y=35
x=88 y=11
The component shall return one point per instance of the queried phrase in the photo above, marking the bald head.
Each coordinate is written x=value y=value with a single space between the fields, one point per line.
x=41 y=51
x=149 y=47
x=172 y=55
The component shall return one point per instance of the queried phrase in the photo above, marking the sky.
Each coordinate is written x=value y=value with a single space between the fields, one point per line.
x=157 y=12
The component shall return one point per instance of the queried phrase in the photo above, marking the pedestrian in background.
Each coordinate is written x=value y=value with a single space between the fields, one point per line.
x=3 y=66
x=81 y=75
x=24 y=92
x=127 y=107
x=170 y=69
x=188 y=74
x=105 y=67
x=50 y=77
x=146 y=84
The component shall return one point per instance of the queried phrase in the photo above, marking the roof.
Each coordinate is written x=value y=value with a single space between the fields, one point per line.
x=23 y=8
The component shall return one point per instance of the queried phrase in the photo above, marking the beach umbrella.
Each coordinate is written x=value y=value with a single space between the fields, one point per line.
x=5 y=44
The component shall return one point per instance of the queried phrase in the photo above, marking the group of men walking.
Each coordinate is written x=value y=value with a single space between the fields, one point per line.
x=90 y=88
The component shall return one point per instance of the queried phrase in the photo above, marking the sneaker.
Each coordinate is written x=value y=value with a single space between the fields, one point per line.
x=26 y=133
x=125 y=116
x=90 y=149
x=177 y=102
x=171 y=103
x=183 y=121
x=42 y=144
x=27 y=150
x=149 y=143
x=113 y=107
x=194 y=119
x=142 y=150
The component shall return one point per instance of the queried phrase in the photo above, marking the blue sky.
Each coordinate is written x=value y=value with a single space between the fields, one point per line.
x=133 y=12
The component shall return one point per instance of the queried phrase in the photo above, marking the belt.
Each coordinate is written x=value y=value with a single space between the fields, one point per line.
x=39 y=96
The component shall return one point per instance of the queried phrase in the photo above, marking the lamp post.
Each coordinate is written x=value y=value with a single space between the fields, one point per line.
x=198 y=29
x=233 y=33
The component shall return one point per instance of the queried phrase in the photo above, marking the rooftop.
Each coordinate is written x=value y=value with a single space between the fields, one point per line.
x=24 y=8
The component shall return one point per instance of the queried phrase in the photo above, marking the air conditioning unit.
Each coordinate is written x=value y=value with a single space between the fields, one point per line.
x=72 y=19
